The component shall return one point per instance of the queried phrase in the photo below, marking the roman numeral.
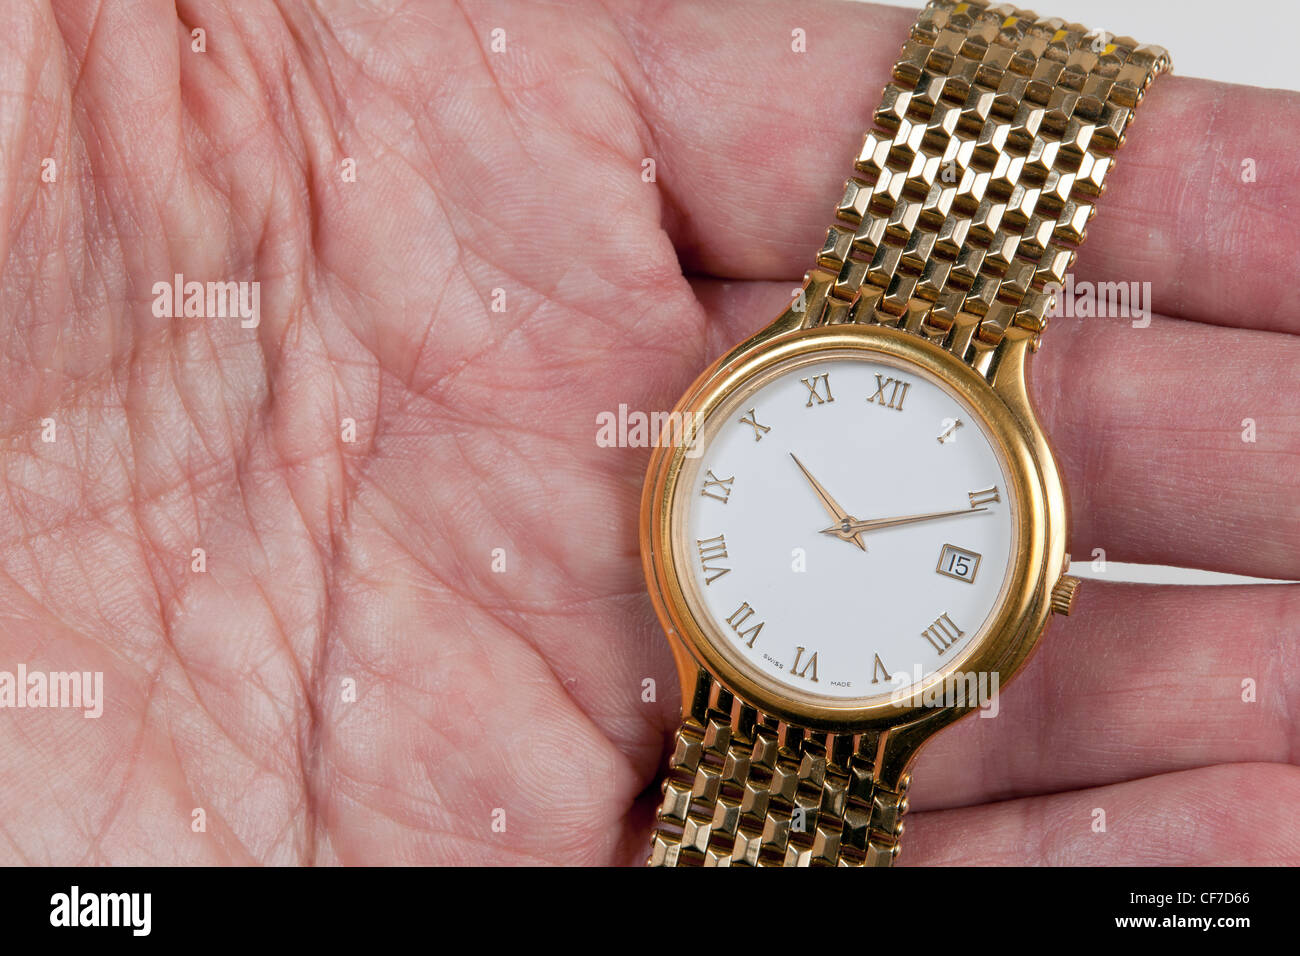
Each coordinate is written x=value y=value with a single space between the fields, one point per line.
x=897 y=390
x=981 y=498
x=759 y=430
x=814 y=389
x=878 y=670
x=811 y=663
x=739 y=617
x=712 y=549
x=943 y=633
x=721 y=487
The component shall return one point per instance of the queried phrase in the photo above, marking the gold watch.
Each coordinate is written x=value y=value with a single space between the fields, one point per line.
x=859 y=534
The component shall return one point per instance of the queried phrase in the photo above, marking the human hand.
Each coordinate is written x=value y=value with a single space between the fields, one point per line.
x=400 y=640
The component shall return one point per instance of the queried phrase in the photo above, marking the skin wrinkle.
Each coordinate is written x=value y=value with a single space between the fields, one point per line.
x=309 y=175
x=132 y=488
x=670 y=207
x=213 y=147
x=14 y=846
x=457 y=242
x=330 y=559
x=358 y=661
x=1203 y=167
x=23 y=220
x=84 y=57
x=448 y=835
x=189 y=410
x=312 y=683
x=198 y=698
x=10 y=184
x=47 y=791
x=303 y=675
x=104 y=511
x=434 y=573
x=1094 y=462
x=75 y=396
x=487 y=507
x=461 y=243
x=336 y=100
x=120 y=793
x=266 y=847
x=1285 y=664
x=277 y=107
x=79 y=397
x=503 y=97
x=391 y=815
x=512 y=629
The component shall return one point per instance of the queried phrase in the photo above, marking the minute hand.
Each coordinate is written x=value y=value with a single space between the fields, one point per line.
x=871 y=524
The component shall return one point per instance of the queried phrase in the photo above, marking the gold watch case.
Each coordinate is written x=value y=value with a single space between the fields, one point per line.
x=1015 y=626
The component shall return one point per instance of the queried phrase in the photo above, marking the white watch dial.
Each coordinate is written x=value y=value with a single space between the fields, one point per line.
x=849 y=527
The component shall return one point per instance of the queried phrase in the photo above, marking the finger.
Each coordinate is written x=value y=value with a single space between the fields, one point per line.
x=1140 y=680
x=1242 y=814
x=1174 y=441
x=755 y=142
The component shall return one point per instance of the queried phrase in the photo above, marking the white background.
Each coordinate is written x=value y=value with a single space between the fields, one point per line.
x=1255 y=42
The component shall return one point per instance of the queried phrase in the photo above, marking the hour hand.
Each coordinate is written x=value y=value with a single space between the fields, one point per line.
x=832 y=506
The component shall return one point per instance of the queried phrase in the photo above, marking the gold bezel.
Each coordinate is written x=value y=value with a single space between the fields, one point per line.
x=1038 y=555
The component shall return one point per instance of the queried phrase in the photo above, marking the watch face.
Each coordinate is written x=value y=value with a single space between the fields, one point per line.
x=845 y=527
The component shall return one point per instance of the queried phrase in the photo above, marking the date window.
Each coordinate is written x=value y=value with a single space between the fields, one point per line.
x=958 y=563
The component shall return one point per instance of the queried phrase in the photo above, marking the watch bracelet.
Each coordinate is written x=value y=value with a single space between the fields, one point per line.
x=744 y=788
x=1025 y=114
x=975 y=185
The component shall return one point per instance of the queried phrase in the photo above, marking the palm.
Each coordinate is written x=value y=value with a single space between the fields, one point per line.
x=469 y=564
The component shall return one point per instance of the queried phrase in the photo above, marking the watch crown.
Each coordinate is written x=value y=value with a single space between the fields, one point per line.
x=1063 y=594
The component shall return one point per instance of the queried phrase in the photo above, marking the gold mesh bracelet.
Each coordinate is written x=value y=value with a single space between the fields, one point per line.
x=975 y=185
x=746 y=789
x=969 y=198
